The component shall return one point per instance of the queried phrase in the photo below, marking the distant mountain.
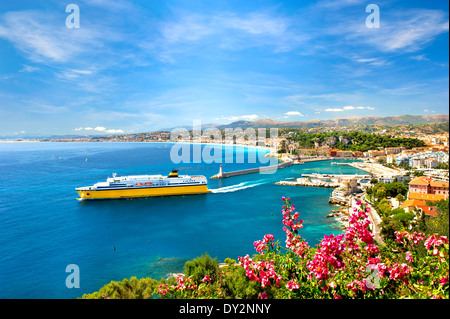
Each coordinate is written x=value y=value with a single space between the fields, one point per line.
x=341 y=121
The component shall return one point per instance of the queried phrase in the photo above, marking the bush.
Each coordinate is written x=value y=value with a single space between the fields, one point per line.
x=198 y=268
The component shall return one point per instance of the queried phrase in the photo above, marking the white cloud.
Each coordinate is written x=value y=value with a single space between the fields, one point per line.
x=348 y=108
x=28 y=68
x=113 y=131
x=41 y=37
x=193 y=33
x=405 y=30
x=291 y=113
x=100 y=129
x=251 y=117
x=374 y=62
x=420 y=57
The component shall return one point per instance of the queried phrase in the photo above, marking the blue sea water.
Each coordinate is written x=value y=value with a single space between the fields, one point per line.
x=43 y=228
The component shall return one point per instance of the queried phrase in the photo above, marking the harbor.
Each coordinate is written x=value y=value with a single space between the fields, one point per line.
x=347 y=190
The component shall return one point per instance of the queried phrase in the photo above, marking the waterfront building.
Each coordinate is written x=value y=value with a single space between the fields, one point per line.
x=393 y=150
x=412 y=204
x=340 y=153
x=425 y=185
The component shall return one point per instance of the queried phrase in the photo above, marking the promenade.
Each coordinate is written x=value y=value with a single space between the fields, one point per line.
x=374 y=168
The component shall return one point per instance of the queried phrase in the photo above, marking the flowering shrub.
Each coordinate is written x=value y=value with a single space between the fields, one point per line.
x=347 y=265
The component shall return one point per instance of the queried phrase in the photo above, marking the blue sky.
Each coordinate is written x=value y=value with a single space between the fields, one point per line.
x=138 y=66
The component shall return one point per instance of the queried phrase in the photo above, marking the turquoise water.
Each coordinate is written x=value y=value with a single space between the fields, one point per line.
x=43 y=228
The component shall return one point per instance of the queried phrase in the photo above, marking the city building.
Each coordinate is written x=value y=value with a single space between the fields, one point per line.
x=425 y=185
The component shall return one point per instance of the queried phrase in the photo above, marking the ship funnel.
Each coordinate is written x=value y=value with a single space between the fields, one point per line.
x=174 y=173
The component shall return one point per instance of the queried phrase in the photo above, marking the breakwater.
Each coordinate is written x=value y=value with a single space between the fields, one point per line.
x=223 y=174
x=309 y=183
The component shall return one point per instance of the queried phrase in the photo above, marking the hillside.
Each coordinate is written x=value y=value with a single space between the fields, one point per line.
x=342 y=121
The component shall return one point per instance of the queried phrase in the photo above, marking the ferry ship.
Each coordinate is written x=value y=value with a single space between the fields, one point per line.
x=139 y=186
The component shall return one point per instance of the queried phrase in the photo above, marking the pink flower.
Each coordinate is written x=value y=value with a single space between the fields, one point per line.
x=268 y=238
x=163 y=289
x=261 y=271
x=259 y=246
x=291 y=285
x=444 y=281
x=409 y=257
x=400 y=271
x=262 y=295
x=283 y=198
x=206 y=279
x=382 y=270
x=434 y=241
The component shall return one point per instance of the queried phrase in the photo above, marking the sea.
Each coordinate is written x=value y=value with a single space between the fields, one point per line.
x=45 y=231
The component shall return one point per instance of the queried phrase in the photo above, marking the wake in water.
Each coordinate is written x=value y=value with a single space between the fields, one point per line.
x=237 y=187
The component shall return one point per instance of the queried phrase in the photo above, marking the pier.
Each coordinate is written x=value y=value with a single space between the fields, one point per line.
x=309 y=183
x=335 y=177
x=223 y=174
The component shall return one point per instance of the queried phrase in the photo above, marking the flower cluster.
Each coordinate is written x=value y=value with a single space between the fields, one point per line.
x=434 y=242
x=183 y=284
x=358 y=229
x=261 y=271
x=292 y=224
x=400 y=272
x=406 y=238
x=267 y=242
x=327 y=257
x=291 y=285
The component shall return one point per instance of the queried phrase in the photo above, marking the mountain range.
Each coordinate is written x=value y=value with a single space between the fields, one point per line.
x=338 y=121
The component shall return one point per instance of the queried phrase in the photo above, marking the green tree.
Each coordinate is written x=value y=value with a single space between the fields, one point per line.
x=201 y=266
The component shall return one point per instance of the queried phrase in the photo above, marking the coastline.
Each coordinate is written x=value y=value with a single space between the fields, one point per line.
x=270 y=149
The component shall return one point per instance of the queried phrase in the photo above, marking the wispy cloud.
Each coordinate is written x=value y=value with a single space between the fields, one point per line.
x=348 y=108
x=250 y=117
x=293 y=113
x=194 y=32
x=29 y=68
x=42 y=38
x=100 y=129
x=401 y=30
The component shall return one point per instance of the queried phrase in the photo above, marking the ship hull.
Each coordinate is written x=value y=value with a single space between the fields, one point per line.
x=142 y=192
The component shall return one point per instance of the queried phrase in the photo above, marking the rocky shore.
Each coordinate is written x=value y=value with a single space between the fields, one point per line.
x=341 y=215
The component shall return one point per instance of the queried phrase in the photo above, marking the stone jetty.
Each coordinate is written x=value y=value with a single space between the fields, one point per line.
x=309 y=183
x=223 y=174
